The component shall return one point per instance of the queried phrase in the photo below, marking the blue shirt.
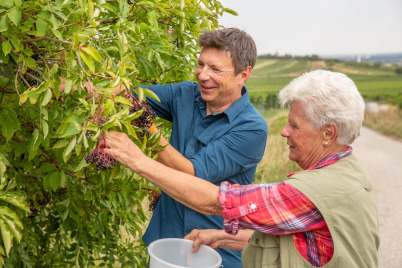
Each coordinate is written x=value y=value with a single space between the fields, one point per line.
x=225 y=146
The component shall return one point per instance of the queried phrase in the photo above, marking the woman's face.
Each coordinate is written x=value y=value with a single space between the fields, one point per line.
x=305 y=142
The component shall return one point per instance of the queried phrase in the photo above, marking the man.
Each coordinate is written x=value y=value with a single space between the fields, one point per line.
x=217 y=134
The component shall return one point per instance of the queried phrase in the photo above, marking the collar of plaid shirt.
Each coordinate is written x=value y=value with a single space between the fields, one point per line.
x=328 y=160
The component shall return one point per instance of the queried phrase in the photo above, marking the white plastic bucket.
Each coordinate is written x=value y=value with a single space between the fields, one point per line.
x=176 y=253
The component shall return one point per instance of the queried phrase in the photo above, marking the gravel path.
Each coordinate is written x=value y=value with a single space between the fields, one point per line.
x=382 y=157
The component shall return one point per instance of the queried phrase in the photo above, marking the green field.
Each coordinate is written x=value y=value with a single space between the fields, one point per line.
x=375 y=81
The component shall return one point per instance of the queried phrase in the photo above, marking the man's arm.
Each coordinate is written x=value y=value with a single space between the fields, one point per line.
x=170 y=157
x=191 y=191
x=219 y=239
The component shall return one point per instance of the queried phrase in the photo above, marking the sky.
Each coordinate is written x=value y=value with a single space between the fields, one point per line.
x=321 y=27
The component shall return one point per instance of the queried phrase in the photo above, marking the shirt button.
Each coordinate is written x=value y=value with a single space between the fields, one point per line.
x=253 y=206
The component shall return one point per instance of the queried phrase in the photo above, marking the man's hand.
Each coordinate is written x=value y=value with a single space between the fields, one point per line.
x=123 y=149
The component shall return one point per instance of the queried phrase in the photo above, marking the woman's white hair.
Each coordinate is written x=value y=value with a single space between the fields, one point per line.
x=328 y=98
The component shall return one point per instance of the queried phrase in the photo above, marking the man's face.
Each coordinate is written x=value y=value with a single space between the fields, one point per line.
x=219 y=85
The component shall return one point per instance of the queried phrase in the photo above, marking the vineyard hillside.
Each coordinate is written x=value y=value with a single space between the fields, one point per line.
x=375 y=81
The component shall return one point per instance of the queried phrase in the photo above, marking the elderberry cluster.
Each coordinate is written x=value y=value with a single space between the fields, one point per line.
x=145 y=120
x=101 y=160
x=100 y=121
x=154 y=202
x=88 y=133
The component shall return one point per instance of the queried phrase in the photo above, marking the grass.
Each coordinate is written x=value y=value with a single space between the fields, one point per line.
x=275 y=164
x=388 y=122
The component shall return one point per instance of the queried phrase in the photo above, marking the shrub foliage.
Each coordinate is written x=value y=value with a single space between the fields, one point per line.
x=55 y=208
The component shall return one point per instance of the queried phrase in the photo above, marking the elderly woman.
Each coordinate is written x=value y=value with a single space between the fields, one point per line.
x=323 y=215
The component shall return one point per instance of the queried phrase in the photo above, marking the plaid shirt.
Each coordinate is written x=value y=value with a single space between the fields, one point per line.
x=278 y=209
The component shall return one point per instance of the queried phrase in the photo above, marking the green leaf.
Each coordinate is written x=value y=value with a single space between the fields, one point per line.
x=4 y=23
x=108 y=107
x=152 y=18
x=69 y=149
x=14 y=15
x=130 y=130
x=46 y=98
x=9 y=123
x=92 y=52
x=126 y=189
x=55 y=180
x=30 y=62
x=88 y=60
x=111 y=123
x=15 y=199
x=23 y=97
x=91 y=127
x=90 y=8
x=123 y=100
x=11 y=184
x=44 y=114
x=151 y=94
x=46 y=168
x=45 y=128
x=33 y=144
x=12 y=215
x=68 y=129
x=80 y=165
x=65 y=214
x=6 y=47
x=41 y=27
x=67 y=86
x=140 y=93
x=6 y=235
x=60 y=144
x=78 y=148
x=85 y=142
x=55 y=22
x=65 y=203
x=230 y=11
x=62 y=179
x=6 y=3
x=13 y=229
x=76 y=40
x=20 y=149
x=54 y=68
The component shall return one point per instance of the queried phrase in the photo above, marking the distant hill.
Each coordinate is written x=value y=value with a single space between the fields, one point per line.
x=385 y=58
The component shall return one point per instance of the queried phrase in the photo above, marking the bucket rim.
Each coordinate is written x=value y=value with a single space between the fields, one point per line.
x=161 y=240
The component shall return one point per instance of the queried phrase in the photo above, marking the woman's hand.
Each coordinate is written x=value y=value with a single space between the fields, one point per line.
x=209 y=237
x=219 y=239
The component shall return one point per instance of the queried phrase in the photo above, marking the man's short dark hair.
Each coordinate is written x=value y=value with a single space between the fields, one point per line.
x=240 y=45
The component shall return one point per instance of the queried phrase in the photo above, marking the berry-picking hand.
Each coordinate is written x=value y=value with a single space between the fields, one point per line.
x=123 y=149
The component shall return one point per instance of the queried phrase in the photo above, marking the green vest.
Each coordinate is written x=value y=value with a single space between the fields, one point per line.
x=345 y=197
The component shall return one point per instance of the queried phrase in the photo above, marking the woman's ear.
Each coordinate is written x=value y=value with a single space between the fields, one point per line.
x=330 y=132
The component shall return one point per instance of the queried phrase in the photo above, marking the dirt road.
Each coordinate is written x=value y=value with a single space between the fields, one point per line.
x=382 y=157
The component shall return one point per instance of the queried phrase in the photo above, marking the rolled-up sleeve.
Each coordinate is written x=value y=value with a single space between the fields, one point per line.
x=275 y=209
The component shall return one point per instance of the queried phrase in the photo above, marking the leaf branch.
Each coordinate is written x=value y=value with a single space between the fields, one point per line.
x=45 y=38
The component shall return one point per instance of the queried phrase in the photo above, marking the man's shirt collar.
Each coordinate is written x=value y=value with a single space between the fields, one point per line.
x=234 y=110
